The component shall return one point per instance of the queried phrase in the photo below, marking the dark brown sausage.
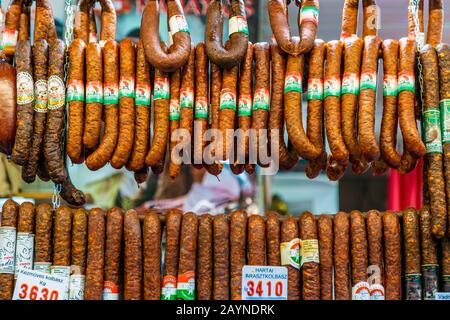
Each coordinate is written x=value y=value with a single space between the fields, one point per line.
x=95 y=255
x=113 y=253
x=325 y=230
x=341 y=231
x=187 y=261
x=205 y=257
x=132 y=281
x=310 y=257
x=238 y=250
x=411 y=240
x=8 y=227
x=152 y=256
x=360 y=287
x=256 y=241
x=289 y=232
x=221 y=229
x=392 y=256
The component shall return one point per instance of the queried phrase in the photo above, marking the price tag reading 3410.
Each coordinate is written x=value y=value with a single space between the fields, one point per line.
x=37 y=285
x=264 y=283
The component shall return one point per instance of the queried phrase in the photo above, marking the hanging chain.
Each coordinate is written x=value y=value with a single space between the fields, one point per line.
x=69 y=9
x=420 y=41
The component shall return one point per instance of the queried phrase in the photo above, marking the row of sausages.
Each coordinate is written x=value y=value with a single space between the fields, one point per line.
x=120 y=255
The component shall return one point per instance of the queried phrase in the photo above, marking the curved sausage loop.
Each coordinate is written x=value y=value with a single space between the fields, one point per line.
x=308 y=21
x=108 y=20
x=238 y=31
x=179 y=51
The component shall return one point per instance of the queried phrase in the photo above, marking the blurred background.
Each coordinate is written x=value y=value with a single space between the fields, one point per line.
x=288 y=191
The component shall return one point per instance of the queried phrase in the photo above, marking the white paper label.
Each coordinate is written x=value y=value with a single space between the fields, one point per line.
x=42 y=266
x=178 y=23
x=442 y=296
x=62 y=271
x=237 y=24
x=7 y=249
x=37 y=285
x=377 y=292
x=76 y=287
x=361 y=291
x=264 y=283
x=24 y=251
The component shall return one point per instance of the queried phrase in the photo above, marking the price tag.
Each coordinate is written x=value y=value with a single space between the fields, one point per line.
x=442 y=296
x=264 y=283
x=37 y=285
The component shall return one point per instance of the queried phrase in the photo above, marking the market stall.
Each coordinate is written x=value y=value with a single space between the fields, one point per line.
x=224 y=108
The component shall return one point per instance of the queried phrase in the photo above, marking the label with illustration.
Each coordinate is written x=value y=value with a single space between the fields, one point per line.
x=445 y=120
x=201 y=108
x=315 y=89
x=75 y=90
x=126 y=87
x=245 y=106
x=178 y=23
x=169 y=288
x=237 y=24
x=94 y=92
x=332 y=87
x=25 y=90
x=161 y=88
x=368 y=81
x=110 y=291
x=56 y=93
x=377 y=292
x=76 y=287
x=7 y=249
x=40 y=96
x=110 y=93
x=309 y=14
x=361 y=291
x=413 y=286
x=9 y=37
x=430 y=277
x=187 y=98
x=227 y=99
x=293 y=82
x=432 y=130
x=390 y=86
x=309 y=251
x=143 y=94
x=24 y=252
x=186 y=286
x=350 y=83
x=261 y=99
x=406 y=82
x=291 y=253
x=42 y=266
x=174 y=113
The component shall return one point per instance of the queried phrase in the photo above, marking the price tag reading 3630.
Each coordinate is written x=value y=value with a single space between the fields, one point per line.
x=264 y=283
x=37 y=285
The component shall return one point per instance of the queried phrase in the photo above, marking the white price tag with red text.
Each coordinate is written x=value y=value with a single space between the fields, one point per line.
x=264 y=283
x=37 y=285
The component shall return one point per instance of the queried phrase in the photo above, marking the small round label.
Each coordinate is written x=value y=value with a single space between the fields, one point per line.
x=56 y=93
x=24 y=84
x=40 y=96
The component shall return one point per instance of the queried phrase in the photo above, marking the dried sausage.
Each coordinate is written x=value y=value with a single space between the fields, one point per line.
x=105 y=150
x=392 y=255
x=445 y=263
x=43 y=238
x=359 y=256
x=238 y=33
x=353 y=47
x=24 y=100
x=349 y=19
x=332 y=91
x=173 y=227
x=178 y=54
x=432 y=126
x=370 y=18
x=174 y=118
x=11 y=28
x=308 y=22
x=256 y=241
x=435 y=22
x=8 y=227
x=79 y=240
x=40 y=60
x=205 y=258
x=314 y=128
x=187 y=261
x=310 y=257
x=61 y=236
x=411 y=240
x=126 y=104
x=113 y=252
x=389 y=123
x=375 y=245
x=132 y=256
x=341 y=231
x=95 y=255
x=429 y=255
x=406 y=86
x=325 y=232
x=25 y=237
x=289 y=233
x=76 y=100
x=221 y=241
x=152 y=256
x=367 y=99
x=273 y=228
x=238 y=250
